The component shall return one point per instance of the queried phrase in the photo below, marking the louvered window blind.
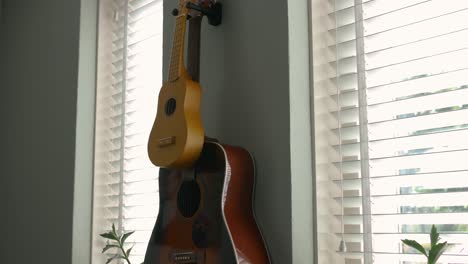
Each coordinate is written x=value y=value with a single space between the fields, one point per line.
x=391 y=119
x=129 y=78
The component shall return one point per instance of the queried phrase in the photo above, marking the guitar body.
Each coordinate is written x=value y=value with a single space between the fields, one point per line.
x=206 y=214
x=177 y=135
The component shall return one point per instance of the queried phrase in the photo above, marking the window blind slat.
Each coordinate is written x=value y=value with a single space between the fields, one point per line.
x=417 y=87
x=391 y=125
x=146 y=10
x=412 y=14
x=126 y=189
x=416 y=32
x=418 y=50
x=439 y=63
x=339 y=5
x=437 y=142
x=136 y=4
x=380 y=7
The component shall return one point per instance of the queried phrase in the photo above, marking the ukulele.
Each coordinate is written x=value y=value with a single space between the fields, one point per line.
x=177 y=135
x=205 y=212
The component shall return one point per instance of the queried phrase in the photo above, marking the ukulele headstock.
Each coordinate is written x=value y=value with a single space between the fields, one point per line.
x=201 y=3
x=196 y=8
x=182 y=9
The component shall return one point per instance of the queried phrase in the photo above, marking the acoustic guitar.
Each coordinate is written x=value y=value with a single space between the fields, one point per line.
x=205 y=212
x=177 y=135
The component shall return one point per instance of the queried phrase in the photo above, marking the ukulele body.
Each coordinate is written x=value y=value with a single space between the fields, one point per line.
x=206 y=214
x=177 y=135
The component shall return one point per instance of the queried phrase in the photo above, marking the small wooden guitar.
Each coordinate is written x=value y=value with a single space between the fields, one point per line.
x=205 y=212
x=177 y=136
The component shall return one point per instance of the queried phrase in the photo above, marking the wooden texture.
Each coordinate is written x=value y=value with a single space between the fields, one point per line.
x=223 y=229
x=238 y=211
x=185 y=125
x=176 y=139
x=193 y=51
x=176 y=65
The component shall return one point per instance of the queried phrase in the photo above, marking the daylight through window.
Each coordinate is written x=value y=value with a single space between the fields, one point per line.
x=391 y=118
x=129 y=78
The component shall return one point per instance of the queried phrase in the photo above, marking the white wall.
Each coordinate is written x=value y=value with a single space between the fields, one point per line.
x=84 y=142
x=300 y=98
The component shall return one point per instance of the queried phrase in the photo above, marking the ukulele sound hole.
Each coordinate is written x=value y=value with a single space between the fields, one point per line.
x=170 y=106
x=188 y=198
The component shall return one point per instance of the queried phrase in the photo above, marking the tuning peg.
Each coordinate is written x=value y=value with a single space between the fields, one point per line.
x=214 y=13
x=175 y=12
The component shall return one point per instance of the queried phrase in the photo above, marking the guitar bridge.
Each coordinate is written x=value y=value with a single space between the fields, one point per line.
x=187 y=257
x=167 y=141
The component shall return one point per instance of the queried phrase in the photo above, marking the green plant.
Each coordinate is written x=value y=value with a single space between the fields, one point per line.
x=117 y=242
x=436 y=249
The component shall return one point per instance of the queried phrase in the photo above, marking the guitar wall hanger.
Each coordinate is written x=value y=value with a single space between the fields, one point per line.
x=214 y=13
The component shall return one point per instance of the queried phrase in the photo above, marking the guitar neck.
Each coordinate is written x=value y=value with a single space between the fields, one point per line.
x=176 y=66
x=193 y=52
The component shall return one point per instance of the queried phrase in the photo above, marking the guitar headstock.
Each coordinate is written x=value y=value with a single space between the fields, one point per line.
x=201 y=3
x=197 y=8
x=210 y=8
x=181 y=9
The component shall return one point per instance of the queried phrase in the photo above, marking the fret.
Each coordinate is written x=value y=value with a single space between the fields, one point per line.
x=177 y=54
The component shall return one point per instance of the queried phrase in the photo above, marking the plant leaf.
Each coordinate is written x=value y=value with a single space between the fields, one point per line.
x=109 y=246
x=434 y=236
x=114 y=257
x=415 y=245
x=109 y=236
x=436 y=251
x=125 y=236
x=129 y=250
x=113 y=229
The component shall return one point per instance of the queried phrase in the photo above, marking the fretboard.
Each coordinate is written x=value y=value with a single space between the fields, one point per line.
x=193 y=51
x=177 y=56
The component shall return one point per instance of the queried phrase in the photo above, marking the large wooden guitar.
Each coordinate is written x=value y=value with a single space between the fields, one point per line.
x=205 y=214
x=205 y=211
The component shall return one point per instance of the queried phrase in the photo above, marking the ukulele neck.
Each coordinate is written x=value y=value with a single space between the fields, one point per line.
x=176 y=66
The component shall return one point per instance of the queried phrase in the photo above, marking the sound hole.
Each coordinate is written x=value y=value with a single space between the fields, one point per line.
x=188 y=198
x=170 y=106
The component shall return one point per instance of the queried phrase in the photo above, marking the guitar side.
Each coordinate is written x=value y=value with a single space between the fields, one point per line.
x=238 y=211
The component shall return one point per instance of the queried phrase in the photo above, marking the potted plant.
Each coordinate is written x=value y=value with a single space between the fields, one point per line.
x=436 y=249
x=117 y=242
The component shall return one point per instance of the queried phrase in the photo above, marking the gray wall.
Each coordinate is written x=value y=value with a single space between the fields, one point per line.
x=244 y=74
x=38 y=84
